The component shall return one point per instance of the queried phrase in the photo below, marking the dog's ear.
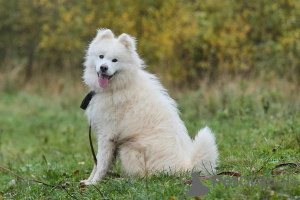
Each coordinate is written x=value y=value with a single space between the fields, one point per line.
x=127 y=41
x=104 y=34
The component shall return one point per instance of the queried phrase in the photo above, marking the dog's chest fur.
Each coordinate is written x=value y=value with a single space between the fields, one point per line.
x=108 y=111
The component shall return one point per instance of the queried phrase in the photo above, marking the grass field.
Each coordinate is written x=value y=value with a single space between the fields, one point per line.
x=44 y=136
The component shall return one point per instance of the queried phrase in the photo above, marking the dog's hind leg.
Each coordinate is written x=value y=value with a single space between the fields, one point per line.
x=134 y=159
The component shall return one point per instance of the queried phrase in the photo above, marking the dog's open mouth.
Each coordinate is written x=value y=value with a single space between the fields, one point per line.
x=103 y=79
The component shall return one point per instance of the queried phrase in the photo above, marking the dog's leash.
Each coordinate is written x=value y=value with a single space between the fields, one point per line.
x=84 y=104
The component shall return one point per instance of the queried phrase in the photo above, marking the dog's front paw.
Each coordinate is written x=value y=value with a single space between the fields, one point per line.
x=86 y=182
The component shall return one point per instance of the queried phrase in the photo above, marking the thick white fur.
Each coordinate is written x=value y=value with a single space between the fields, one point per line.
x=135 y=117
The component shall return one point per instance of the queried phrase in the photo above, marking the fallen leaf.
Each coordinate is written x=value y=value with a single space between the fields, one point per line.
x=81 y=163
x=82 y=187
x=76 y=171
x=287 y=164
x=291 y=165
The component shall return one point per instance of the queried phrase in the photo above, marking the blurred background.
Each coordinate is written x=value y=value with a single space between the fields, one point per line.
x=183 y=42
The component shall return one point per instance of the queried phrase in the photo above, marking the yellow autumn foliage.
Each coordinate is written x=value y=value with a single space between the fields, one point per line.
x=181 y=41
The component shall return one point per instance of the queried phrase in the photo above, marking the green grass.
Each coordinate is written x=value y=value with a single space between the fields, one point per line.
x=45 y=137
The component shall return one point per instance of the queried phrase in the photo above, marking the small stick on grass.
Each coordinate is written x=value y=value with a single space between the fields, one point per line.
x=59 y=185
x=25 y=179
x=98 y=190
x=266 y=162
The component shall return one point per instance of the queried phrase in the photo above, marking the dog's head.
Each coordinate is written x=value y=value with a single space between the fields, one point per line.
x=111 y=62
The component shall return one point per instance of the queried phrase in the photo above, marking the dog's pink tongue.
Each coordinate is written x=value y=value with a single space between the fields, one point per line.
x=103 y=81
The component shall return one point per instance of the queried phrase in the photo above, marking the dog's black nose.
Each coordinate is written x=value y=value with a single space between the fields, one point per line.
x=103 y=68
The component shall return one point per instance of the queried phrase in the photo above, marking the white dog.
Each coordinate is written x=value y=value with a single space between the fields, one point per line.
x=135 y=118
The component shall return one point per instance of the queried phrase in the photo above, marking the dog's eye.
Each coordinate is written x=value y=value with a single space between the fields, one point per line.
x=114 y=60
x=101 y=56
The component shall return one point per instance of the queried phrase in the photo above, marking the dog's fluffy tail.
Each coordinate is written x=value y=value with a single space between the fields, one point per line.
x=205 y=152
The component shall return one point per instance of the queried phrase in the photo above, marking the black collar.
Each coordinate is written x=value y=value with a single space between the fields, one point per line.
x=85 y=102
